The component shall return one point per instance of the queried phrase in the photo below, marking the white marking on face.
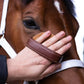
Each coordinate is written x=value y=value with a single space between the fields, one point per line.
x=57 y=5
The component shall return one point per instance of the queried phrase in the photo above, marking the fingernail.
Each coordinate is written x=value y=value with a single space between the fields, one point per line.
x=69 y=44
x=48 y=32
x=62 y=33
x=69 y=37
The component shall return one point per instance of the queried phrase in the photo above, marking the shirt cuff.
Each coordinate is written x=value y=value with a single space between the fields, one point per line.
x=3 y=69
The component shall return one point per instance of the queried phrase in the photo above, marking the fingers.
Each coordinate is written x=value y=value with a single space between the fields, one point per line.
x=43 y=37
x=51 y=69
x=62 y=50
x=61 y=43
x=54 y=39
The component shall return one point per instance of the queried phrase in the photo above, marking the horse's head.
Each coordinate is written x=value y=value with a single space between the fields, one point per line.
x=25 y=18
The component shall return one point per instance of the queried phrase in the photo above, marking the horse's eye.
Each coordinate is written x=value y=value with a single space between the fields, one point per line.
x=30 y=24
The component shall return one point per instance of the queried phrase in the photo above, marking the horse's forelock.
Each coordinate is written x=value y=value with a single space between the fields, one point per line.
x=26 y=1
x=70 y=6
x=68 y=3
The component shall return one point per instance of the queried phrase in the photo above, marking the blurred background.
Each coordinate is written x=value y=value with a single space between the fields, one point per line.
x=79 y=6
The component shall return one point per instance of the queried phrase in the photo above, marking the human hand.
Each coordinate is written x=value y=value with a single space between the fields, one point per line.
x=28 y=65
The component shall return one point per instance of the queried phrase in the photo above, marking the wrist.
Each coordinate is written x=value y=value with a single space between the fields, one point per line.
x=13 y=70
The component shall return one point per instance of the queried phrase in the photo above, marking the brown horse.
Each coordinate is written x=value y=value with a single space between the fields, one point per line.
x=25 y=18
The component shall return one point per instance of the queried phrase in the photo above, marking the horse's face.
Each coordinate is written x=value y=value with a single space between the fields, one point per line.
x=28 y=17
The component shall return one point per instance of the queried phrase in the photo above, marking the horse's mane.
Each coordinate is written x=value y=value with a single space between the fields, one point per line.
x=70 y=6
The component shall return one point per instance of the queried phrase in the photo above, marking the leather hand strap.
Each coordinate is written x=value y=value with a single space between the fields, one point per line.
x=43 y=51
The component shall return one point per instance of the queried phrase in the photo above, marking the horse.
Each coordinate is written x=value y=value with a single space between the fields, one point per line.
x=26 y=18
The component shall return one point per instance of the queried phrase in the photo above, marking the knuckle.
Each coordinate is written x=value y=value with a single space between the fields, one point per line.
x=46 y=43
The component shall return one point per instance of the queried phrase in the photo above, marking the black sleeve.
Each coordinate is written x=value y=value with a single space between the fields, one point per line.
x=3 y=69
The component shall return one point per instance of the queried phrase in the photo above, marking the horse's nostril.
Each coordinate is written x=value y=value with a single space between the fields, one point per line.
x=30 y=24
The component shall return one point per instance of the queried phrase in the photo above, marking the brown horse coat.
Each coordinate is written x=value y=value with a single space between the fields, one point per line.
x=43 y=15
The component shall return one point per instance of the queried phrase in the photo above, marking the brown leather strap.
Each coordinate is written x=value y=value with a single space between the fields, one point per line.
x=43 y=51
